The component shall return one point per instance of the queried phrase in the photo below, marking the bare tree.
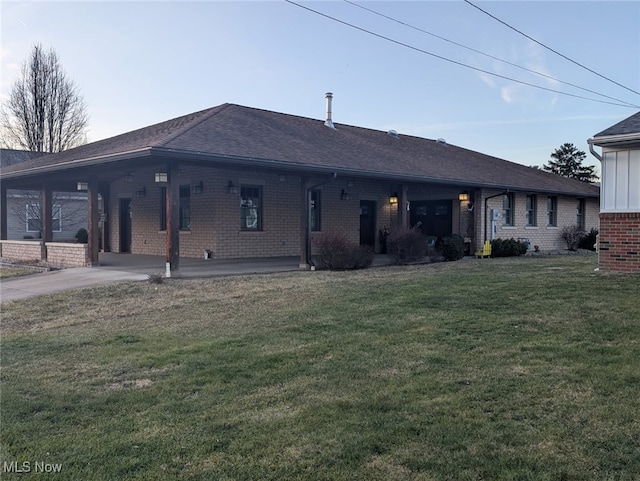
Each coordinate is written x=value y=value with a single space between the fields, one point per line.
x=45 y=111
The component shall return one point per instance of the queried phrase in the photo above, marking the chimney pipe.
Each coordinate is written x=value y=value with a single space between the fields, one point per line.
x=329 y=122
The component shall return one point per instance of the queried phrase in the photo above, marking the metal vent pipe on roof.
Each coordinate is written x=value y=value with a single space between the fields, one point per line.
x=329 y=122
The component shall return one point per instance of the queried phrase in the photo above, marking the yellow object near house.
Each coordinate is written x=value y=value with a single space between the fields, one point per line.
x=485 y=251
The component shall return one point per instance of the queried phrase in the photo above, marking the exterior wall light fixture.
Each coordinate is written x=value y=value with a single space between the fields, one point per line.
x=197 y=188
x=232 y=189
x=82 y=186
x=463 y=196
x=393 y=198
x=162 y=177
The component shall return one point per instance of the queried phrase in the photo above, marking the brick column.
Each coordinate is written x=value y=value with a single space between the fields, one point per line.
x=619 y=239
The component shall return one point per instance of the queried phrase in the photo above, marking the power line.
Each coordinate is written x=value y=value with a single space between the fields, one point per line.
x=484 y=53
x=397 y=42
x=552 y=50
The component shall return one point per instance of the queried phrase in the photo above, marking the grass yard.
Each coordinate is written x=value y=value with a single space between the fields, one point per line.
x=500 y=369
x=7 y=271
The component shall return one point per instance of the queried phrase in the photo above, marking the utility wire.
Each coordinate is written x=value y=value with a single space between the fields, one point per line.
x=484 y=53
x=552 y=50
x=397 y=42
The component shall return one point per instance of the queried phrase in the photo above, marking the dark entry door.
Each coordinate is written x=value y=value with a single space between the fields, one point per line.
x=368 y=222
x=434 y=216
x=125 y=225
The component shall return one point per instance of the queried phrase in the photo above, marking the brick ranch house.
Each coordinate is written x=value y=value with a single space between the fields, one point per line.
x=240 y=182
x=620 y=199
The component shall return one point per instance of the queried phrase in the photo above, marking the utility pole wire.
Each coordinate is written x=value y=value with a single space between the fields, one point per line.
x=552 y=50
x=485 y=54
x=397 y=42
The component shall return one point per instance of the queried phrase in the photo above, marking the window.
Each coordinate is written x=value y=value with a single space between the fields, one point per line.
x=184 y=221
x=532 y=210
x=184 y=209
x=552 y=211
x=507 y=210
x=251 y=207
x=316 y=208
x=581 y=217
x=33 y=218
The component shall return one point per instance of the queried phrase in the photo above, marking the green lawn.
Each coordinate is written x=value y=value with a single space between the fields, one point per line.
x=494 y=369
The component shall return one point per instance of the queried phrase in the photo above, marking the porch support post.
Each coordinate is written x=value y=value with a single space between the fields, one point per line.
x=3 y=212
x=173 y=221
x=305 y=221
x=403 y=212
x=93 y=218
x=46 y=213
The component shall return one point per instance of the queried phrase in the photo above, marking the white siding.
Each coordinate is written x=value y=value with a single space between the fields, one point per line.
x=620 y=181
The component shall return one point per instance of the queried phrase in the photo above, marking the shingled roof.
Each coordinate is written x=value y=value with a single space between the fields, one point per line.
x=630 y=125
x=248 y=136
x=10 y=156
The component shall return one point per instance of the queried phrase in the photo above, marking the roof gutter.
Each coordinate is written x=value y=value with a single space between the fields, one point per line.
x=613 y=139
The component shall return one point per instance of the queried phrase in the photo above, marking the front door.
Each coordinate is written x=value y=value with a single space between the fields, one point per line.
x=433 y=217
x=125 y=225
x=368 y=223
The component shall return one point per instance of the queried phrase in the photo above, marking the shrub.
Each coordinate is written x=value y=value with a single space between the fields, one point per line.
x=507 y=248
x=406 y=245
x=82 y=235
x=571 y=234
x=588 y=241
x=155 y=278
x=452 y=248
x=336 y=252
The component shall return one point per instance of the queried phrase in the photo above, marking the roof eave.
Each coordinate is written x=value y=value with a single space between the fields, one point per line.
x=319 y=169
x=619 y=139
x=97 y=160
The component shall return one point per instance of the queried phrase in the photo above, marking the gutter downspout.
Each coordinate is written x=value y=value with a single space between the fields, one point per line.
x=485 y=210
x=593 y=152
x=308 y=230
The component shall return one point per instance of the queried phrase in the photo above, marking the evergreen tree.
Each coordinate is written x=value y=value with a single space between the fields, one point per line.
x=567 y=162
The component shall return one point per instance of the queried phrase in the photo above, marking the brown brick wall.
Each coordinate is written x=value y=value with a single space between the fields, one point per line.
x=215 y=214
x=59 y=253
x=620 y=242
x=67 y=254
x=545 y=236
x=23 y=250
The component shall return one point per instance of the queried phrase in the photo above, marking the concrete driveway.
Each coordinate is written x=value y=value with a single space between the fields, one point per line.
x=135 y=267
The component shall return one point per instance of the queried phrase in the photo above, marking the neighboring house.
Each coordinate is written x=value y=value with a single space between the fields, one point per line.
x=24 y=213
x=620 y=199
x=241 y=182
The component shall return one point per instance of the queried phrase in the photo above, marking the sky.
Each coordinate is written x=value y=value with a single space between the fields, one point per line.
x=433 y=69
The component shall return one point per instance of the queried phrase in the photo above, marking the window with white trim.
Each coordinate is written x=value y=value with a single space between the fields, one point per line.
x=581 y=218
x=251 y=207
x=507 y=210
x=33 y=222
x=552 y=211
x=532 y=210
